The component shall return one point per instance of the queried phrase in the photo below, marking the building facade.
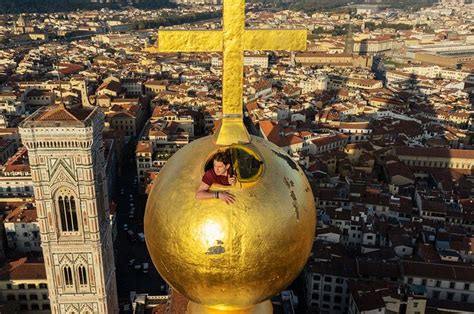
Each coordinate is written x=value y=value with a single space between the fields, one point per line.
x=23 y=286
x=66 y=154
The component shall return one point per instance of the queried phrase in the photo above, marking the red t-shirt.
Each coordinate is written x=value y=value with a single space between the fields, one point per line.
x=211 y=177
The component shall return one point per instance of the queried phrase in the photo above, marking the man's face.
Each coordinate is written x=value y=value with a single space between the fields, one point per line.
x=220 y=168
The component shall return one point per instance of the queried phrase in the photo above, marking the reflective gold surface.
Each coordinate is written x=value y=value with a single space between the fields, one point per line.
x=230 y=257
x=261 y=308
x=232 y=41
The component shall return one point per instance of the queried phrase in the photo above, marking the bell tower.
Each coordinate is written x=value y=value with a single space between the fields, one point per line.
x=66 y=157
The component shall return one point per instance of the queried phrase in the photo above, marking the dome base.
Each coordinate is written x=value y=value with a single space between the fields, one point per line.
x=261 y=308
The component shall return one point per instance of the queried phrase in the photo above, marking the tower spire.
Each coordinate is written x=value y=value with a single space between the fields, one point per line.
x=61 y=103
x=349 y=42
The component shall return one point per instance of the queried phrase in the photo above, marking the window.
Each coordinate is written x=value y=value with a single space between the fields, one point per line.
x=67 y=212
x=435 y=294
x=43 y=286
x=67 y=277
x=22 y=296
x=9 y=286
x=24 y=307
x=464 y=297
x=466 y=286
x=45 y=296
x=328 y=279
x=46 y=306
x=21 y=286
x=337 y=299
x=11 y=297
x=438 y=283
x=338 y=289
x=450 y=296
x=326 y=297
x=82 y=275
x=31 y=286
x=451 y=285
x=423 y=282
x=35 y=306
x=33 y=297
x=327 y=288
x=410 y=280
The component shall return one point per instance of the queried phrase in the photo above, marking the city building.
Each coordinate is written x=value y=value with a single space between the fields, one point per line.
x=23 y=285
x=22 y=229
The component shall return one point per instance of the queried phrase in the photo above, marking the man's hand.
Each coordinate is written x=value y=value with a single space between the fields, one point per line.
x=232 y=180
x=226 y=197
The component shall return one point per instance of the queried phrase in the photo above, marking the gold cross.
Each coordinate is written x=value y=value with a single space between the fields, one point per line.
x=232 y=41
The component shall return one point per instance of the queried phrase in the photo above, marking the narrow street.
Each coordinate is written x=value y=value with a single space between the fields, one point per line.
x=128 y=278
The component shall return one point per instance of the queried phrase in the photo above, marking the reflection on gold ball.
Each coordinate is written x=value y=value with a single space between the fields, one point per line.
x=230 y=256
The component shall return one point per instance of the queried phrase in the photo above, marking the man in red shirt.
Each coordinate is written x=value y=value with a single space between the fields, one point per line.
x=218 y=174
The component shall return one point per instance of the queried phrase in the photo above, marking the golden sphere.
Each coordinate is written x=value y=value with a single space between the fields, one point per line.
x=230 y=256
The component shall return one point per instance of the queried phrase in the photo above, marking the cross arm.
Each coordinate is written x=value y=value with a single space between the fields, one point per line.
x=275 y=39
x=190 y=41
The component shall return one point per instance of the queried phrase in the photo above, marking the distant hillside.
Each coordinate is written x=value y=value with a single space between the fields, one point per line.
x=403 y=4
x=308 y=6
x=44 y=6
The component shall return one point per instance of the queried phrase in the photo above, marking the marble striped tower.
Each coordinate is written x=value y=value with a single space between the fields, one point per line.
x=66 y=157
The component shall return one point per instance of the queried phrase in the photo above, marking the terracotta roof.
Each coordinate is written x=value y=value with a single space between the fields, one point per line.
x=368 y=296
x=22 y=269
x=354 y=125
x=18 y=162
x=70 y=68
x=22 y=214
x=438 y=271
x=61 y=113
x=435 y=152
x=144 y=147
x=273 y=133
x=38 y=92
x=325 y=140
x=111 y=85
x=445 y=306
x=399 y=169
x=323 y=55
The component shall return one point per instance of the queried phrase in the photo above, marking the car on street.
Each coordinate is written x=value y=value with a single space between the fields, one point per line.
x=141 y=236
x=125 y=227
x=145 y=267
x=131 y=262
x=137 y=266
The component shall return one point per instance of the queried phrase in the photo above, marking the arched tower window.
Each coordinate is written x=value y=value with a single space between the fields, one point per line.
x=68 y=281
x=67 y=213
x=82 y=272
